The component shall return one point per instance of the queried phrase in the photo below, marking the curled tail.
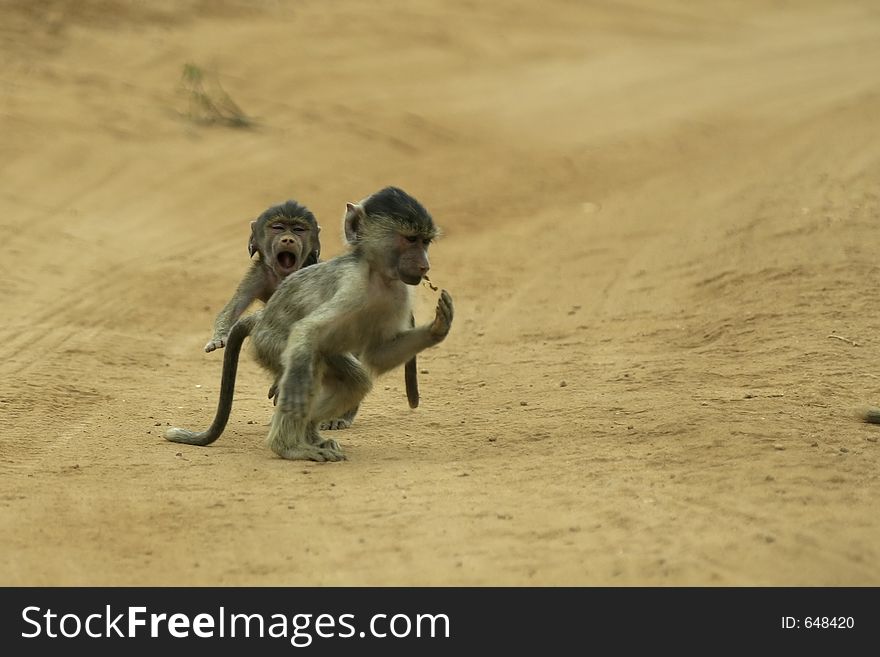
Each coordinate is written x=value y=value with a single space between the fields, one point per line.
x=240 y=330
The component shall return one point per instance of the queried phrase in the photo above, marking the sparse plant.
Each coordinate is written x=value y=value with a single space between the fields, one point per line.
x=208 y=101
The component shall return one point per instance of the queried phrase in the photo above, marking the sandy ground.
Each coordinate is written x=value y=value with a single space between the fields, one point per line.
x=660 y=235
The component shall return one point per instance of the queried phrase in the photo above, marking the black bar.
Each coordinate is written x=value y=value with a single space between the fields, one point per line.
x=549 y=620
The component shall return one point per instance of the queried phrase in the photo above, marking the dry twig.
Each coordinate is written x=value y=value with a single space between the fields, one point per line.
x=843 y=339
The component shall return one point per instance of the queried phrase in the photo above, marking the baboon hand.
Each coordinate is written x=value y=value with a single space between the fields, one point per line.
x=214 y=343
x=443 y=320
x=273 y=394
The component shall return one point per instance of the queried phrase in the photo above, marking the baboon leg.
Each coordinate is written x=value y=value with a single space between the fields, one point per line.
x=296 y=439
x=344 y=383
x=308 y=392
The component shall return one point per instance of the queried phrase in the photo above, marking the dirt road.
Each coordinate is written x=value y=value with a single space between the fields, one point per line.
x=660 y=235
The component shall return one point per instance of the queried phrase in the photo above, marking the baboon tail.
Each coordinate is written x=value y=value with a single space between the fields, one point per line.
x=411 y=375
x=240 y=330
x=411 y=378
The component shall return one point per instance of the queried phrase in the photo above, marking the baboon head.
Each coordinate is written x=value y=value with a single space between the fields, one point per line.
x=394 y=232
x=286 y=237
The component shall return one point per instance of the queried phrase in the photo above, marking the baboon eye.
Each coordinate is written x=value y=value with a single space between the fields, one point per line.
x=277 y=226
x=299 y=228
x=412 y=239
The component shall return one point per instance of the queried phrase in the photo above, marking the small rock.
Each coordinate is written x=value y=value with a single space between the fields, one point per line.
x=562 y=384
x=423 y=371
x=779 y=447
x=524 y=403
x=844 y=450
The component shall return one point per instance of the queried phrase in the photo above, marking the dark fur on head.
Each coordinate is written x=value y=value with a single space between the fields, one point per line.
x=396 y=203
x=289 y=210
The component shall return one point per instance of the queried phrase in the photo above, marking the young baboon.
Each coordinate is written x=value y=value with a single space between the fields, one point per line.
x=356 y=303
x=285 y=238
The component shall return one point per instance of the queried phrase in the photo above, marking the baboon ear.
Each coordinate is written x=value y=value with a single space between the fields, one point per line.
x=252 y=242
x=353 y=223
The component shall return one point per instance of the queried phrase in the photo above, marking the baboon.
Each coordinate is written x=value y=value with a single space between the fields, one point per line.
x=356 y=303
x=285 y=238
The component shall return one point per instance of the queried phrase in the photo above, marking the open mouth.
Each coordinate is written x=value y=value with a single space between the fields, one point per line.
x=287 y=261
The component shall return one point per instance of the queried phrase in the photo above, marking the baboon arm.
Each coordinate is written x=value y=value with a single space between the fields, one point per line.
x=399 y=349
x=251 y=288
x=406 y=344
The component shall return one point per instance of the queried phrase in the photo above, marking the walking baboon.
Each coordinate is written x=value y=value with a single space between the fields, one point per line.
x=285 y=238
x=356 y=303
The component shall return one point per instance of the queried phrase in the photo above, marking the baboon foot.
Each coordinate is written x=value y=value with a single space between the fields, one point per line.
x=330 y=444
x=337 y=423
x=319 y=453
x=344 y=421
